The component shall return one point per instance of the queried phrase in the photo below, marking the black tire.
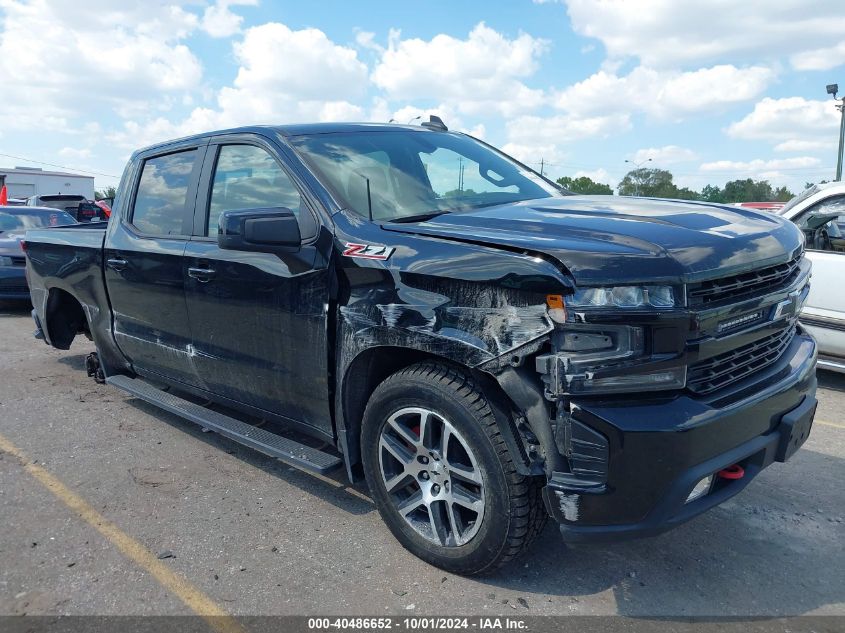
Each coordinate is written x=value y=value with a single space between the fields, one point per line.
x=513 y=513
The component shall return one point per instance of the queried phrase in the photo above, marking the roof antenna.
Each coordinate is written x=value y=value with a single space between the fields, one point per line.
x=435 y=123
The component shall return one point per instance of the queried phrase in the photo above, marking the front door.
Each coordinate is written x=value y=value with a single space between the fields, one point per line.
x=143 y=255
x=258 y=319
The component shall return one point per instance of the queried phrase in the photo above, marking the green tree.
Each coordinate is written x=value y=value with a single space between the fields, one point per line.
x=653 y=183
x=748 y=190
x=108 y=192
x=586 y=185
x=685 y=193
x=782 y=194
x=712 y=193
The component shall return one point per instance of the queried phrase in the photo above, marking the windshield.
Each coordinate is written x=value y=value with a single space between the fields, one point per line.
x=809 y=191
x=23 y=220
x=60 y=202
x=406 y=173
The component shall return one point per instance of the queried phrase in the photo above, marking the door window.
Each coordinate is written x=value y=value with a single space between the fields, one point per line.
x=824 y=225
x=162 y=191
x=248 y=177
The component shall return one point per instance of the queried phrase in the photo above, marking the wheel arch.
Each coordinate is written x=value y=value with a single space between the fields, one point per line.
x=64 y=318
x=373 y=365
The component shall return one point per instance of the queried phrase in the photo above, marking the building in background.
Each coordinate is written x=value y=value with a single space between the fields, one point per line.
x=23 y=182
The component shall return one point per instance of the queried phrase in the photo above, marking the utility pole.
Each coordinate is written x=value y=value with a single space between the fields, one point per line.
x=832 y=89
x=638 y=166
x=460 y=173
x=542 y=165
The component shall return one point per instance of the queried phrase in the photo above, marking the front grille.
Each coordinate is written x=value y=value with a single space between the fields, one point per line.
x=714 y=373
x=756 y=282
x=18 y=261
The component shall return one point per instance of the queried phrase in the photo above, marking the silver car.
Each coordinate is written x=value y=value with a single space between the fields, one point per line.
x=14 y=222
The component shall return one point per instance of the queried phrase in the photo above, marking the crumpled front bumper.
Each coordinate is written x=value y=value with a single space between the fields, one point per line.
x=657 y=449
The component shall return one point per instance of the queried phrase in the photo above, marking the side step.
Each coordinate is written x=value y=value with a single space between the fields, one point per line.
x=287 y=450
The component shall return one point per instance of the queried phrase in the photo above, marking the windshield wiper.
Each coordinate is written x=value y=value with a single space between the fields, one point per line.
x=419 y=217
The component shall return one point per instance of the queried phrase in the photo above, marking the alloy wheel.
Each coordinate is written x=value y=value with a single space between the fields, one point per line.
x=431 y=476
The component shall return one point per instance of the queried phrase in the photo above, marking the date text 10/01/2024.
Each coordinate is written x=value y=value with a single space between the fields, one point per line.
x=415 y=623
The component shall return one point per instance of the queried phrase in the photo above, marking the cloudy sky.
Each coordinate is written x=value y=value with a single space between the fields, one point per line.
x=712 y=90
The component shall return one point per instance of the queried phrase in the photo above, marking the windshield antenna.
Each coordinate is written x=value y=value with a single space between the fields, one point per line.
x=369 y=199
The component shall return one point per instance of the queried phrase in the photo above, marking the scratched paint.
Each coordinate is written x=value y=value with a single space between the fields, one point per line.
x=568 y=505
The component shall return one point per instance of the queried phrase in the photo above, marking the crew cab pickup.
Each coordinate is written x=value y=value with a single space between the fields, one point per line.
x=412 y=305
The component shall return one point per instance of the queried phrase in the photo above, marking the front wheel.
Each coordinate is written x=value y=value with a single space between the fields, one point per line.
x=441 y=474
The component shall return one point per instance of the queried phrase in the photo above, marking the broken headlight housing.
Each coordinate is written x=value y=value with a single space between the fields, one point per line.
x=594 y=356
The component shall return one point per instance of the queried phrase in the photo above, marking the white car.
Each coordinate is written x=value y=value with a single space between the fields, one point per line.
x=820 y=212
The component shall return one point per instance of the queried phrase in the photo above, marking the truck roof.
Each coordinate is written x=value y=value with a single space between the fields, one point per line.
x=293 y=130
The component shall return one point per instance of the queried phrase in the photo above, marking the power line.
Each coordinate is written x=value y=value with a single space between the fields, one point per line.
x=41 y=162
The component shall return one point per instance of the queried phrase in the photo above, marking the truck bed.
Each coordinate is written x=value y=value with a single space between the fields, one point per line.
x=68 y=260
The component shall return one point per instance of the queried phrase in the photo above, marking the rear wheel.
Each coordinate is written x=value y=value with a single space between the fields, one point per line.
x=441 y=475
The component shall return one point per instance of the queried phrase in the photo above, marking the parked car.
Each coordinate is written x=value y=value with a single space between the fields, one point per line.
x=79 y=207
x=763 y=206
x=485 y=349
x=820 y=212
x=14 y=222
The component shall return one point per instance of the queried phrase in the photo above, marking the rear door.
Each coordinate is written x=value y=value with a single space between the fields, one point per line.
x=259 y=320
x=144 y=253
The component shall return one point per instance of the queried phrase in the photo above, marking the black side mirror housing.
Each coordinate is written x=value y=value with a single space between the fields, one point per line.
x=268 y=230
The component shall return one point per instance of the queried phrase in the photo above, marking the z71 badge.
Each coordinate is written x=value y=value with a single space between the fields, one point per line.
x=368 y=251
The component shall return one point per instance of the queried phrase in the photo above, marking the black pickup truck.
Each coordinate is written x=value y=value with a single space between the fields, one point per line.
x=414 y=306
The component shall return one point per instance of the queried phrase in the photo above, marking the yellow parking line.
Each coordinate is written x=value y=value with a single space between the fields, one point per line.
x=833 y=424
x=194 y=599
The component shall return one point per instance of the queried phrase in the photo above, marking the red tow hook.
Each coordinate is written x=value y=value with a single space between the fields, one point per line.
x=732 y=472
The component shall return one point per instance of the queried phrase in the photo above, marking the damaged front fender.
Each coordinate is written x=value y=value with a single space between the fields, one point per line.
x=478 y=307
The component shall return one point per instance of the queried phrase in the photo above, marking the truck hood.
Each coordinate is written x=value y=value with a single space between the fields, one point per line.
x=612 y=240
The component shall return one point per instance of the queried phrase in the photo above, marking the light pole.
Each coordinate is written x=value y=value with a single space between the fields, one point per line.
x=638 y=166
x=832 y=89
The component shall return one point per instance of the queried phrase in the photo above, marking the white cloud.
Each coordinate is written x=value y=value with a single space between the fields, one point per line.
x=318 y=82
x=219 y=21
x=798 y=162
x=477 y=75
x=798 y=145
x=56 y=57
x=820 y=58
x=596 y=175
x=795 y=124
x=305 y=64
x=563 y=128
x=75 y=153
x=664 y=94
x=668 y=33
x=531 y=138
x=666 y=155
x=792 y=172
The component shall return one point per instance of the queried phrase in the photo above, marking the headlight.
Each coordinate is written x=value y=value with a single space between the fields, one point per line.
x=5 y=261
x=600 y=355
x=624 y=297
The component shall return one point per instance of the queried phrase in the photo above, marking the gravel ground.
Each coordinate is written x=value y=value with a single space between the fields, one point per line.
x=260 y=538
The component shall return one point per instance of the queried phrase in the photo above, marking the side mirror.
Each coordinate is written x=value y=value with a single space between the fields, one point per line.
x=269 y=230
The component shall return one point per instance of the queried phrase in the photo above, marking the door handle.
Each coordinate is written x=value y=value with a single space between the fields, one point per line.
x=203 y=275
x=116 y=263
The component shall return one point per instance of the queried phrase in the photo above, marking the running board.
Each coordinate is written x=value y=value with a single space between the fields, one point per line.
x=272 y=444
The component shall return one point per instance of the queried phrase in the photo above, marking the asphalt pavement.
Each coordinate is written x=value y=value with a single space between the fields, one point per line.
x=111 y=506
